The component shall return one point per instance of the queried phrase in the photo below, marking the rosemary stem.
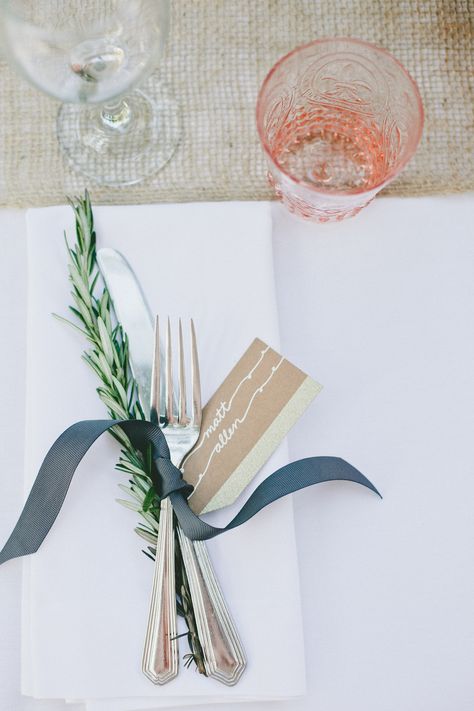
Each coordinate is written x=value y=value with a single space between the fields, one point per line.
x=108 y=356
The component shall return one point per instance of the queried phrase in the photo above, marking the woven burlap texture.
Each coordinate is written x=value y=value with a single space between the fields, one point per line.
x=217 y=56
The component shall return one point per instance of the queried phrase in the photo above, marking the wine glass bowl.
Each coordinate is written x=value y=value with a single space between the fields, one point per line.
x=91 y=55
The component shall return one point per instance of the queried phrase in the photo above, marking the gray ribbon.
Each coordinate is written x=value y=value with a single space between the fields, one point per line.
x=54 y=477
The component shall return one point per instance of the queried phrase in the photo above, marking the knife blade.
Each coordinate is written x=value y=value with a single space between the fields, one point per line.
x=134 y=315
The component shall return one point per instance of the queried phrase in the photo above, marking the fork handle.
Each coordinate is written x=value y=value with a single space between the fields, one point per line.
x=224 y=656
x=160 y=656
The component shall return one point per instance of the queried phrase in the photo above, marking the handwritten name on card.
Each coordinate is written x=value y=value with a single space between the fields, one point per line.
x=243 y=423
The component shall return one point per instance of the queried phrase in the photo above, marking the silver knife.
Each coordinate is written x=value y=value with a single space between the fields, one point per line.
x=132 y=312
x=135 y=317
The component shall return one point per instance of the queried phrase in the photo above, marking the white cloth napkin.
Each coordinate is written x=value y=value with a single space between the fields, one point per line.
x=87 y=590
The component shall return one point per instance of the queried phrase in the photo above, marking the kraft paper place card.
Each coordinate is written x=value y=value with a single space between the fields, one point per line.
x=243 y=423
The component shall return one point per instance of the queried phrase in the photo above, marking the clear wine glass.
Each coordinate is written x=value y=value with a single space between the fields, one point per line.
x=91 y=54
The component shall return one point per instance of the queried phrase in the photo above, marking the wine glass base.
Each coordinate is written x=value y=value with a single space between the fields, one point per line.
x=131 y=150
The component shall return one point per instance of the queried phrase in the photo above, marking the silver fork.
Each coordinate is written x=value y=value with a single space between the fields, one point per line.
x=224 y=657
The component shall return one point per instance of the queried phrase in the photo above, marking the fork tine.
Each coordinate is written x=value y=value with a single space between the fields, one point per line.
x=155 y=376
x=169 y=416
x=196 y=379
x=181 y=379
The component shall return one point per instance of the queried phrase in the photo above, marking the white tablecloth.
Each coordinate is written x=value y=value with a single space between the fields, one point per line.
x=380 y=309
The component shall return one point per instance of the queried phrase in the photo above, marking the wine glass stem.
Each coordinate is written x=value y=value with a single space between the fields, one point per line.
x=116 y=116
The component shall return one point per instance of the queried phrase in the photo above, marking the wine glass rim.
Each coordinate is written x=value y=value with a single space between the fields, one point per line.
x=305 y=183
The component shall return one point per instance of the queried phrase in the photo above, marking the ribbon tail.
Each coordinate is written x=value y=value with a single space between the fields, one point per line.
x=286 y=480
x=51 y=486
x=57 y=470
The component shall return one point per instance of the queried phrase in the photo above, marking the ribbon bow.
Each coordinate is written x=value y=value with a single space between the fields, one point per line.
x=54 y=477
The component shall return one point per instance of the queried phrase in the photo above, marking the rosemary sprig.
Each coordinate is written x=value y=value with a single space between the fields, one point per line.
x=108 y=356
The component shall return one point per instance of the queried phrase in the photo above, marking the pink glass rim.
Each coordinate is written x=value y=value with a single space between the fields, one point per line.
x=350 y=40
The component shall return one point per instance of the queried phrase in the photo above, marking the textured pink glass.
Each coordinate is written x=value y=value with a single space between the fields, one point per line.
x=338 y=120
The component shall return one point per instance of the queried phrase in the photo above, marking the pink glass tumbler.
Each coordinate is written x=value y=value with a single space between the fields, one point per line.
x=338 y=120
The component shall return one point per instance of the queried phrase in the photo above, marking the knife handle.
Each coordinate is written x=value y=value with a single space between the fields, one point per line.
x=160 y=656
x=224 y=656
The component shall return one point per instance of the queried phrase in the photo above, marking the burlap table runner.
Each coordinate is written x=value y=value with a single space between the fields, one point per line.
x=218 y=53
